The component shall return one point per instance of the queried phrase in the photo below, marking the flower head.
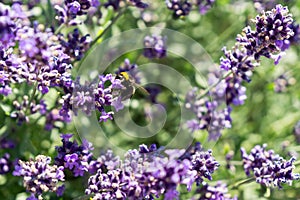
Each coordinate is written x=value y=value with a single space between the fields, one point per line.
x=39 y=176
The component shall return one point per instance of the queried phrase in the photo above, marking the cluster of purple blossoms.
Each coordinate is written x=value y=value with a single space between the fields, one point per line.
x=92 y=96
x=5 y=162
x=271 y=29
x=217 y=192
x=11 y=19
x=75 y=46
x=205 y=164
x=21 y=108
x=184 y=7
x=73 y=156
x=155 y=46
x=204 y=5
x=180 y=7
x=147 y=173
x=268 y=168
x=116 y=4
x=39 y=61
x=293 y=40
x=39 y=176
x=282 y=82
x=68 y=12
x=209 y=114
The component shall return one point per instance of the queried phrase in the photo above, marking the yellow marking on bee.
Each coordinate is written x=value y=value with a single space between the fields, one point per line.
x=125 y=75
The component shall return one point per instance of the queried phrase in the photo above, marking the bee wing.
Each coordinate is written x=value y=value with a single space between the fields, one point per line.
x=142 y=89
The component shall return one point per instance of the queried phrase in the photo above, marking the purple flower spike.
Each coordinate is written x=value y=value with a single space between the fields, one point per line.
x=155 y=46
x=39 y=176
x=269 y=168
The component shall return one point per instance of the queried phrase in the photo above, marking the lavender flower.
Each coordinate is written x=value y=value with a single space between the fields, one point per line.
x=73 y=156
x=147 y=173
x=295 y=39
x=180 y=7
x=68 y=12
x=204 y=5
x=272 y=28
x=7 y=144
x=138 y=4
x=91 y=96
x=208 y=116
x=21 y=109
x=116 y=4
x=205 y=164
x=269 y=168
x=107 y=161
x=39 y=176
x=39 y=60
x=75 y=46
x=5 y=164
x=9 y=23
x=282 y=83
x=217 y=192
x=155 y=46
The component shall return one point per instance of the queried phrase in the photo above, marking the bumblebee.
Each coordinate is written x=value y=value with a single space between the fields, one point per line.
x=130 y=86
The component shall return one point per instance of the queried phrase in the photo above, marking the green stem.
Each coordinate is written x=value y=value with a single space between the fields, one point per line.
x=59 y=29
x=218 y=40
x=100 y=35
x=232 y=162
x=242 y=182
x=251 y=179
x=107 y=28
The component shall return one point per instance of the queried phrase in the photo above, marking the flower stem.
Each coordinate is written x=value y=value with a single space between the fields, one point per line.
x=59 y=29
x=242 y=182
x=32 y=96
x=94 y=42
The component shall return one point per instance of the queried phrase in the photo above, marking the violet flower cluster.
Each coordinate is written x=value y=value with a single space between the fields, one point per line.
x=75 y=45
x=271 y=29
x=283 y=82
x=5 y=158
x=67 y=13
x=40 y=60
x=147 y=173
x=183 y=7
x=117 y=4
x=94 y=96
x=40 y=177
x=155 y=46
x=217 y=192
x=225 y=86
x=269 y=168
x=74 y=157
